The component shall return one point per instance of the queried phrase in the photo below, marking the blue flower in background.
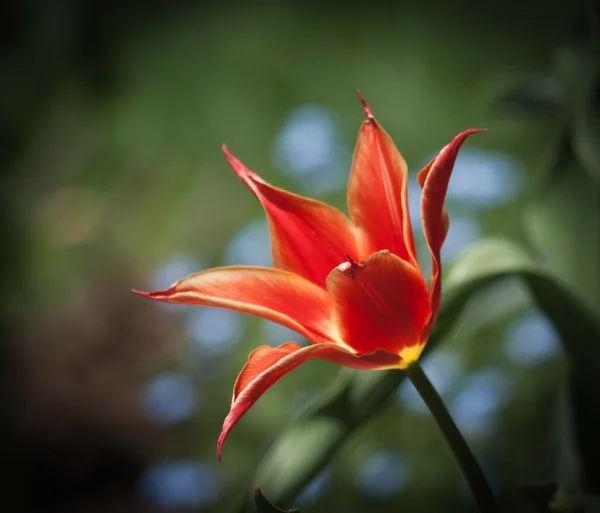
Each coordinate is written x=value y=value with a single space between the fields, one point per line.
x=310 y=148
x=480 y=179
x=181 y=484
x=170 y=398
x=482 y=394
x=251 y=245
x=215 y=331
x=316 y=488
x=463 y=232
x=382 y=474
x=276 y=334
x=531 y=339
x=414 y=204
x=484 y=178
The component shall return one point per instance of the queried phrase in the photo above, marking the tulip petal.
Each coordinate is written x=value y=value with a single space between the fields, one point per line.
x=308 y=237
x=266 y=365
x=381 y=302
x=272 y=294
x=378 y=193
x=434 y=179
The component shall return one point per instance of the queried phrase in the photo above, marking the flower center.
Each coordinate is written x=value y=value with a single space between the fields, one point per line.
x=381 y=302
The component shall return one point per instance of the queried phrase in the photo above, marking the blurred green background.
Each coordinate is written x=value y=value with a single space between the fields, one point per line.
x=113 y=117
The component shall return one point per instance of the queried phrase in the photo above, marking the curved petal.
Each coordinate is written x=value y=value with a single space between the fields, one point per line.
x=272 y=294
x=434 y=179
x=266 y=365
x=380 y=303
x=308 y=237
x=378 y=193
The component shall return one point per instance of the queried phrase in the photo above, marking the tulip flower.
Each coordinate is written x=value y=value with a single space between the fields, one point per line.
x=350 y=284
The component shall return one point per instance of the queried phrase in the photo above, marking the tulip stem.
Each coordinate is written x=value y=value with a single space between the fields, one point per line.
x=480 y=488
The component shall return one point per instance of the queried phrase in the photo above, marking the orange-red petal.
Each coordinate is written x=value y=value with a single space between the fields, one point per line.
x=378 y=193
x=381 y=302
x=308 y=237
x=272 y=294
x=434 y=179
x=266 y=365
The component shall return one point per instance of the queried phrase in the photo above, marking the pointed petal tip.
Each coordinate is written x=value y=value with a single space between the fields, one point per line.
x=462 y=136
x=232 y=160
x=472 y=131
x=220 y=442
x=158 y=295
x=140 y=293
x=366 y=108
x=240 y=169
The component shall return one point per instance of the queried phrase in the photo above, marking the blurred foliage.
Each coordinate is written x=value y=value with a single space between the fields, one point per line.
x=565 y=212
x=564 y=218
x=288 y=466
x=113 y=114
x=264 y=506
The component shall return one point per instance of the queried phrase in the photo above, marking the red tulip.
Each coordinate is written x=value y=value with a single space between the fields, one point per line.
x=351 y=285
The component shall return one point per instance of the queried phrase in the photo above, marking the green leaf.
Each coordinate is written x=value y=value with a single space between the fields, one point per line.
x=577 y=70
x=540 y=495
x=264 y=506
x=306 y=446
x=586 y=130
x=563 y=223
x=549 y=498
x=571 y=90
x=540 y=96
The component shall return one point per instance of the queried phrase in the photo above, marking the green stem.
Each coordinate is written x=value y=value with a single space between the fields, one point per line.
x=479 y=486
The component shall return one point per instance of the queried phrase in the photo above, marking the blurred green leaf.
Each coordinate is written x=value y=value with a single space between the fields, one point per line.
x=574 y=68
x=306 y=446
x=548 y=498
x=586 y=130
x=571 y=90
x=495 y=259
x=539 y=495
x=563 y=223
x=264 y=506
x=584 y=401
x=535 y=97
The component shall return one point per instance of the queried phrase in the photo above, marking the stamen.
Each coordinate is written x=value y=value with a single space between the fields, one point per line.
x=352 y=262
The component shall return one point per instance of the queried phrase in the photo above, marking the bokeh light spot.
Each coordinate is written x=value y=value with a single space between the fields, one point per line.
x=174 y=268
x=251 y=245
x=170 y=398
x=316 y=488
x=463 y=232
x=414 y=203
x=531 y=339
x=382 y=474
x=310 y=148
x=276 y=334
x=216 y=331
x=484 y=178
x=181 y=484
x=474 y=408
